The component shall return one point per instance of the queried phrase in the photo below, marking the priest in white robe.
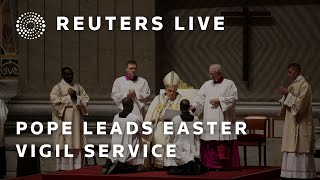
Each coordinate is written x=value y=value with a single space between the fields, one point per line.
x=298 y=139
x=69 y=104
x=132 y=86
x=216 y=99
x=187 y=144
x=127 y=163
x=3 y=118
x=168 y=100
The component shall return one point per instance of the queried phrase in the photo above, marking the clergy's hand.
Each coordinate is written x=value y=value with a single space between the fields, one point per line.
x=73 y=94
x=193 y=109
x=284 y=91
x=153 y=121
x=215 y=102
x=131 y=93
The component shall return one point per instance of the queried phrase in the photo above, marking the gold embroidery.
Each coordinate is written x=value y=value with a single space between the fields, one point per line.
x=291 y=89
x=183 y=85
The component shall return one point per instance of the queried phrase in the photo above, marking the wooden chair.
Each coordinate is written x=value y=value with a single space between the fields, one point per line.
x=254 y=123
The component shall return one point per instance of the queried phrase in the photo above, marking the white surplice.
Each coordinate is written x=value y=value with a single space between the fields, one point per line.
x=226 y=92
x=187 y=145
x=120 y=89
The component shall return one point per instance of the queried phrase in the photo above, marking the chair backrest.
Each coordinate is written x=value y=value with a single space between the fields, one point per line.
x=256 y=123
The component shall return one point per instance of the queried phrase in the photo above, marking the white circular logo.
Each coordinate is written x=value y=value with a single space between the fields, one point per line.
x=30 y=25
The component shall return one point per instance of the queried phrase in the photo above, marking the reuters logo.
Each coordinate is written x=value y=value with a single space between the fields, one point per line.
x=30 y=25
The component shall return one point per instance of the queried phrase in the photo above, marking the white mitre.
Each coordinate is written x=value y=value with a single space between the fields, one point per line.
x=171 y=79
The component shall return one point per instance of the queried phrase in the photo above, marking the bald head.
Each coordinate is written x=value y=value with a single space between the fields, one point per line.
x=184 y=105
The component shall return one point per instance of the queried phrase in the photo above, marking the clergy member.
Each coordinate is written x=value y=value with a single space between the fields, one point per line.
x=216 y=99
x=69 y=104
x=127 y=163
x=170 y=99
x=187 y=144
x=132 y=86
x=3 y=118
x=298 y=139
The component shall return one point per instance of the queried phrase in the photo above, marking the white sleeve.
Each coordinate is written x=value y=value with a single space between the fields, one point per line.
x=199 y=99
x=117 y=95
x=141 y=96
x=176 y=124
x=290 y=99
x=230 y=98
